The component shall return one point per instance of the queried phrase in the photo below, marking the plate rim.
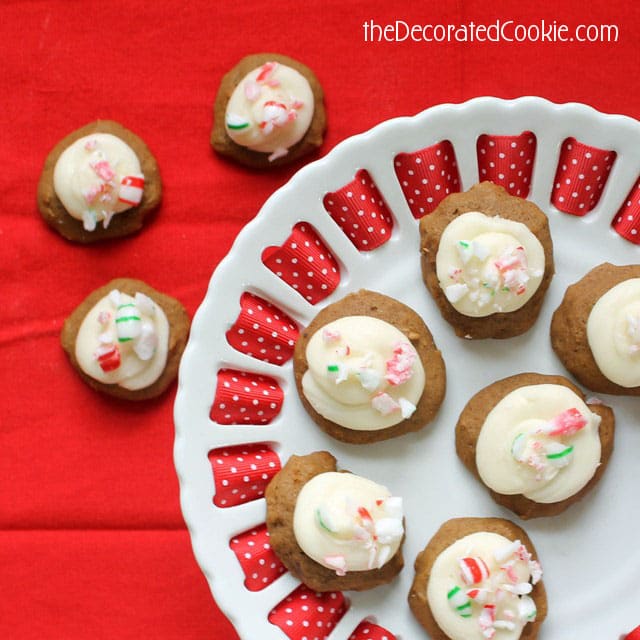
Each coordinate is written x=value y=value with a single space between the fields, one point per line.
x=342 y=149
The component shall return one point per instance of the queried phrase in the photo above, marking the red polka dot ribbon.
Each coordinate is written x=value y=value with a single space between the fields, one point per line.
x=242 y=473
x=263 y=331
x=427 y=176
x=361 y=212
x=634 y=635
x=580 y=177
x=306 y=615
x=245 y=398
x=507 y=161
x=369 y=631
x=304 y=263
x=627 y=220
x=259 y=563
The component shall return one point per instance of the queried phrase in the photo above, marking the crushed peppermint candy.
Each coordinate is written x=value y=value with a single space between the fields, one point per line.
x=384 y=404
x=566 y=423
x=377 y=535
x=339 y=563
x=330 y=335
x=455 y=292
x=399 y=368
x=369 y=378
x=536 y=448
x=499 y=599
x=406 y=408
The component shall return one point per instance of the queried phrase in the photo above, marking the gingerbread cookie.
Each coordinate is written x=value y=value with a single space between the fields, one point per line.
x=536 y=444
x=126 y=339
x=487 y=260
x=479 y=578
x=334 y=530
x=99 y=182
x=269 y=111
x=596 y=329
x=367 y=369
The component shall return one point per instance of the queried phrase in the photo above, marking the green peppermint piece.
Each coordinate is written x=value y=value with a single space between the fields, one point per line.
x=560 y=454
x=236 y=122
x=322 y=523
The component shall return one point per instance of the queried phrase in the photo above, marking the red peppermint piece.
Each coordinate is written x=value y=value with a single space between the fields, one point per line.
x=634 y=635
x=580 y=177
x=108 y=357
x=245 y=398
x=360 y=211
x=242 y=473
x=131 y=190
x=427 y=176
x=507 y=161
x=304 y=263
x=306 y=615
x=259 y=563
x=263 y=331
x=473 y=570
x=369 y=631
x=627 y=220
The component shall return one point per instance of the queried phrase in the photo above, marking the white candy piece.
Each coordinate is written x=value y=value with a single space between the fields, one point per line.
x=128 y=322
x=147 y=342
x=145 y=304
x=389 y=530
x=527 y=608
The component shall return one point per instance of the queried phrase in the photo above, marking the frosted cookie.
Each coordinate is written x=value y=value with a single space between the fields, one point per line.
x=487 y=260
x=126 y=339
x=535 y=443
x=334 y=530
x=367 y=369
x=596 y=329
x=99 y=182
x=477 y=579
x=269 y=111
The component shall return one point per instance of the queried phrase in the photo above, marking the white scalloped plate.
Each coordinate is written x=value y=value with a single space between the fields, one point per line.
x=590 y=553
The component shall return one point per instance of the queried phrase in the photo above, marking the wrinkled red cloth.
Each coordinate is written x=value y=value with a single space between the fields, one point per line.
x=92 y=541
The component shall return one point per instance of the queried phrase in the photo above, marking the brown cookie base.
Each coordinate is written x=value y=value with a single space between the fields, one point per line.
x=448 y=533
x=282 y=494
x=491 y=200
x=406 y=320
x=474 y=414
x=122 y=224
x=569 y=326
x=225 y=146
x=178 y=334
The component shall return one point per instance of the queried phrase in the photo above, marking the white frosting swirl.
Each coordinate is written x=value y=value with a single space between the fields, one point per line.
x=540 y=441
x=488 y=264
x=613 y=332
x=270 y=110
x=347 y=523
x=363 y=373
x=124 y=340
x=96 y=177
x=462 y=608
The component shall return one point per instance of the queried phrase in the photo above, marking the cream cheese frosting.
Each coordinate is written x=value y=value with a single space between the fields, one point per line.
x=540 y=441
x=613 y=332
x=363 y=373
x=347 y=523
x=479 y=588
x=124 y=340
x=488 y=264
x=97 y=177
x=270 y=110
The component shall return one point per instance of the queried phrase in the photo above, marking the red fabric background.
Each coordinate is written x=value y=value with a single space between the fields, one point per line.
x=92 y=542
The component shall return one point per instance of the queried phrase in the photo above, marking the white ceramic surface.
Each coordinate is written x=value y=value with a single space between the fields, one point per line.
x=590 y=553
